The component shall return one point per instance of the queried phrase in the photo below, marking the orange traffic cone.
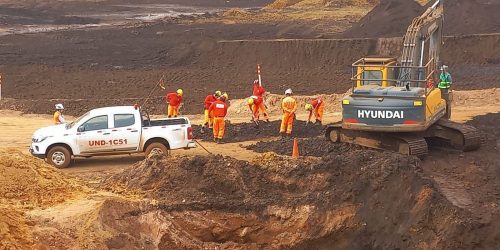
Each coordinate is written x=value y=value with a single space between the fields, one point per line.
x=295 y=151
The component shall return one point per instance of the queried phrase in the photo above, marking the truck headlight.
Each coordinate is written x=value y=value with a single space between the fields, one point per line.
x=40 y=139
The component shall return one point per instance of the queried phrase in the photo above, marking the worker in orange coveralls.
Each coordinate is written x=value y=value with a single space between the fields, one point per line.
x=253 y=104
x=318 y=107
x=218 y=110
x=259 y=92
x=289 y=107
x=174 y=101
x=208 y=122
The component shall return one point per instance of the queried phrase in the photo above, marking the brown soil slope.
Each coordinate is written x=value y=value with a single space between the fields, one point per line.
x=392 y=17
x=307 y=66
x=388 y=19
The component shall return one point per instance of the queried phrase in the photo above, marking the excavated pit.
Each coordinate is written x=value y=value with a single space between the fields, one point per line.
x=350 y=198
x=354 y=199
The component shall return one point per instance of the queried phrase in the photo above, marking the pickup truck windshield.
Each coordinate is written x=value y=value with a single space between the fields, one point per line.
x=71 y=124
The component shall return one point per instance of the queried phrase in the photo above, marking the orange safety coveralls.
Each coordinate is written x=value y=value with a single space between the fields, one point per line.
x=174 y=101
x=259 y=91
x=58 y=118
x=208 y=121
x=258 y=106
x=318 y=108
x=289 y=106
x=219 y=111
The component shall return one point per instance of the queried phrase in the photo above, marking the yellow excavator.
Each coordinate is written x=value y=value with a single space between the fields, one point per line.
x=395 y=105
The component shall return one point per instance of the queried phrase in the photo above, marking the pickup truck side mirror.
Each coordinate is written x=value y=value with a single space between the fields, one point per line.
x=81 y=128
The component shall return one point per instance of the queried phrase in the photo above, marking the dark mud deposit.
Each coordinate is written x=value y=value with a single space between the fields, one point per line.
x=317 y=146
x=249 y=131
x=356 y=199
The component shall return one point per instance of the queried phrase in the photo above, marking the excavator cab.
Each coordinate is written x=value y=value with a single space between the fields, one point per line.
x=374 y=71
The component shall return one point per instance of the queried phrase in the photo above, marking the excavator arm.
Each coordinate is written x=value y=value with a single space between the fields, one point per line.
x=422 y=41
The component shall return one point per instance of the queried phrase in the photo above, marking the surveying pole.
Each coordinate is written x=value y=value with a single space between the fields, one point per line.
x=258 y=73
x=0 y=86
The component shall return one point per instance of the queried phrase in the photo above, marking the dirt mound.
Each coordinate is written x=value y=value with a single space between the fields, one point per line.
x=14 y=229
x=30 y=182
x=280 y=4
x=236 y=13
x=249 y=131
x=464 y=17
x=318 y=147
x=392 y=17
x=387 y=19
x=351 y=199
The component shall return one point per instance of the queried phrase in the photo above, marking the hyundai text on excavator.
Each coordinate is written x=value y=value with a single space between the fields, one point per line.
x=395 y=105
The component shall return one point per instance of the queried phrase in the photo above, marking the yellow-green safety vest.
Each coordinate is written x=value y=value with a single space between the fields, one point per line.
x=444 y=81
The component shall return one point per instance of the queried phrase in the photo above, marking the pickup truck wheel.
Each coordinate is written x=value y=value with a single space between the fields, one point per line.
x=157 y=148
x=59 y=157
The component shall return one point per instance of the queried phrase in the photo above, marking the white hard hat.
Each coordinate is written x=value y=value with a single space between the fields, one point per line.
x=444 y=67
x=288 y=92
x=59 y=106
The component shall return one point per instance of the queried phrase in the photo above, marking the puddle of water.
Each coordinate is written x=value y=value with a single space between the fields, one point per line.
x=139 y=12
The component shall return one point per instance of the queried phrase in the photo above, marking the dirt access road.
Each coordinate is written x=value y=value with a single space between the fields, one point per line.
x=16 y=130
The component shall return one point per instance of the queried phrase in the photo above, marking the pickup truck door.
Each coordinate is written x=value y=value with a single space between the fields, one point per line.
x=126 y=132
x=93 y=135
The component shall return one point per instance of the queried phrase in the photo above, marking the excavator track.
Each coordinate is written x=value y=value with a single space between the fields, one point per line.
x=416 y=145
x=402 y=143
x=461 y=136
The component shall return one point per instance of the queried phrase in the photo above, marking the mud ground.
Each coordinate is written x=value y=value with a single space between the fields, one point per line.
x=250 y=131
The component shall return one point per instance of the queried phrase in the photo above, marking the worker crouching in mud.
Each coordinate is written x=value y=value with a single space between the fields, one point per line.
x=218 y=111
x=259 y=106
x=289 y=107
x=254 y=104
x=317 y=106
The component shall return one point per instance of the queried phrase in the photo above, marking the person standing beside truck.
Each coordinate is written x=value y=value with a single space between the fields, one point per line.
x=58 y=115
x=218 y=110
x=174 y=101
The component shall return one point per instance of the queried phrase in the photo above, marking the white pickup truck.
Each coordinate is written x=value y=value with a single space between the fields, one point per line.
x=111 y=131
